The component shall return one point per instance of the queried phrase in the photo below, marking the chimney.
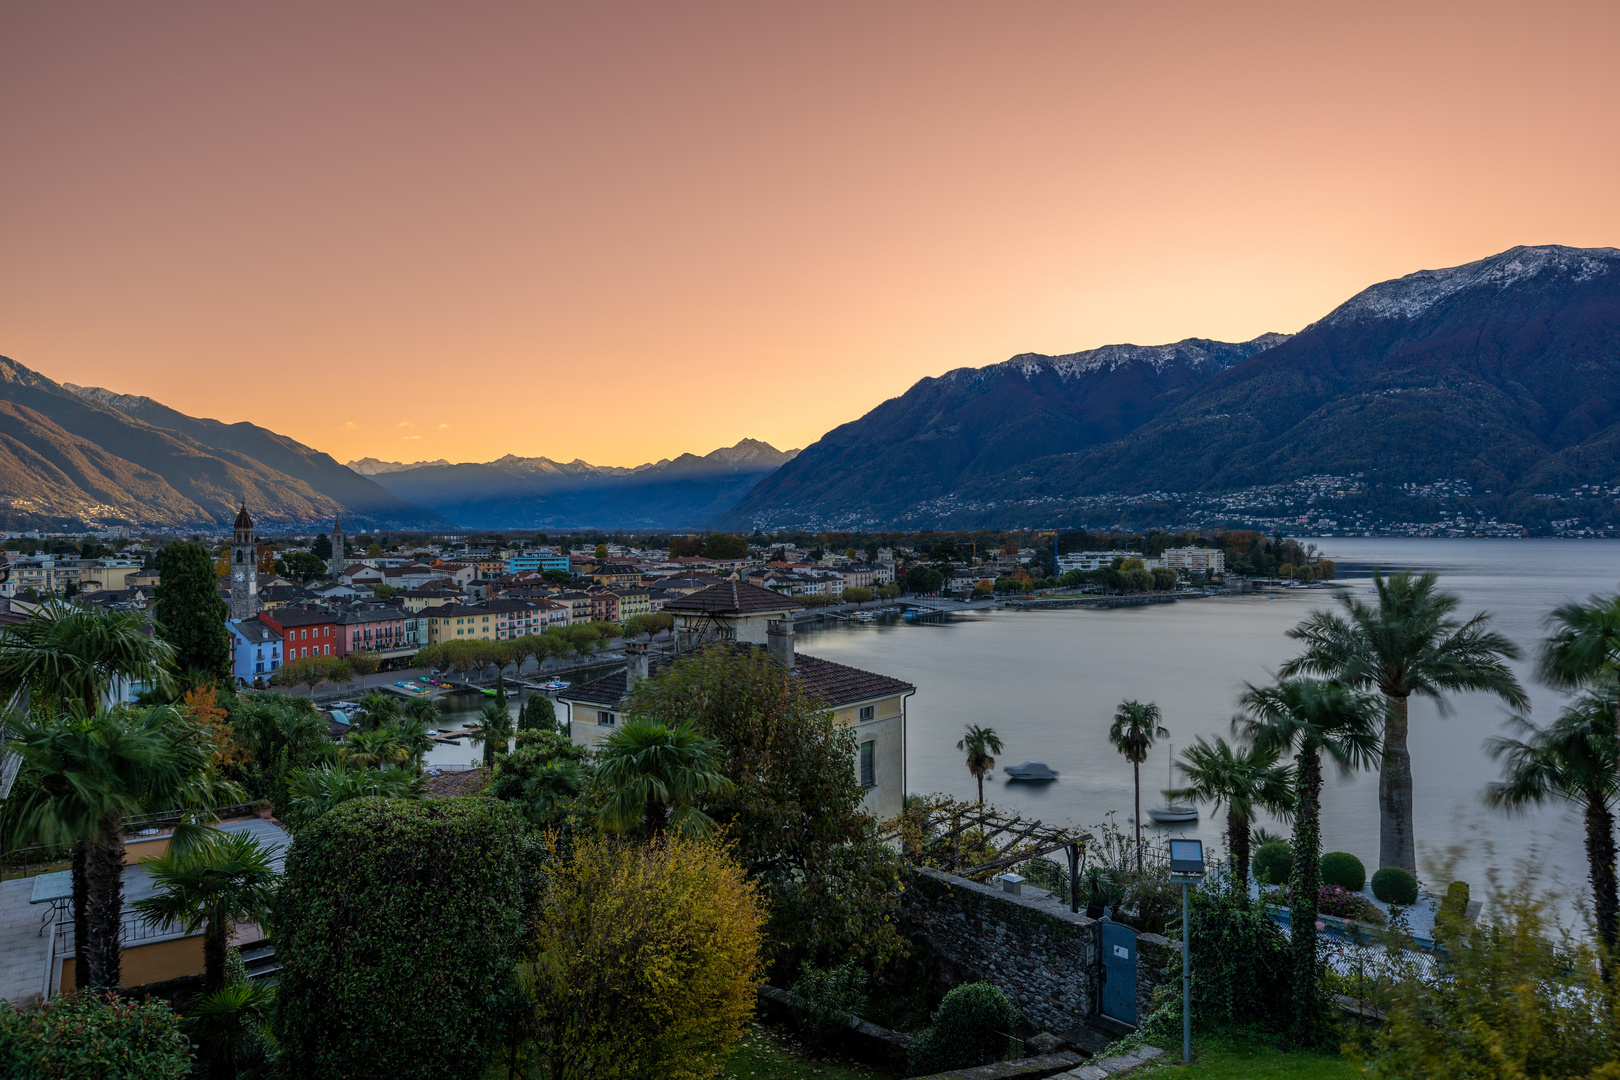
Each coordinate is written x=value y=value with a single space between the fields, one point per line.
x=638 y=664
x=779 y=642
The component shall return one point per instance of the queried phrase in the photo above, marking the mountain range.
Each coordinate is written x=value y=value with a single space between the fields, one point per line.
x=539 y=493
x=1503 y=372
x=75 y=456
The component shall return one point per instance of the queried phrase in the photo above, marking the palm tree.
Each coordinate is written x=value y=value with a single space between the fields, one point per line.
x=411 y=735
x=551 y=785
x=1246 y=779
x=1574 y=759
x=227 y=1022
x=1584 y=646
x=980 y=743
x=654 y=774
x=376 y=709
x=1409 y=644
x=495 y=730
x=423 y=711
x=1312 y=719
x=91 y=773
x=66 y=654
x=1135 y=727
x=314 y=791
x=378 y=748
x=226 y=879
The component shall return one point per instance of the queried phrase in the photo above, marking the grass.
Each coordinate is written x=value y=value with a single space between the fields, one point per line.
x=764 y=1054
x=1226 y=1058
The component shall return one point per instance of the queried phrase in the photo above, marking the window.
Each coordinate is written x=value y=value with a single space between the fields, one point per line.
x=868 y=780
x=868 y=712
x=604 y=717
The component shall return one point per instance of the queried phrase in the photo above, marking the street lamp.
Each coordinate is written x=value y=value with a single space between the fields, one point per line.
x=1186 y=867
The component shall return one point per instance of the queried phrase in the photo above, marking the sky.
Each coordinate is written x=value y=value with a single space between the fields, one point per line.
x=621 y=231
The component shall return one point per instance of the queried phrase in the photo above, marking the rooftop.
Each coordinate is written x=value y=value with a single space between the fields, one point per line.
x=732 y=598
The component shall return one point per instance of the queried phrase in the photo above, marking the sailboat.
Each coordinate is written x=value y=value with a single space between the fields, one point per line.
x=1172 y=813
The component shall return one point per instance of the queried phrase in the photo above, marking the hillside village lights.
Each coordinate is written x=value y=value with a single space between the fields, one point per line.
x=1186 y=867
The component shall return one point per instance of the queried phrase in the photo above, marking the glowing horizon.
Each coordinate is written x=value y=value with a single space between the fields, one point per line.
x=409 y=231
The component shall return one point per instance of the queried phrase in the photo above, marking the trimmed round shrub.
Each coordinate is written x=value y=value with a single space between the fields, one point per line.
x=1273 y=863
x=83 y=1037
x=399 y=924
x=1393 y=885
x=964 y=1032
x=1344 y=870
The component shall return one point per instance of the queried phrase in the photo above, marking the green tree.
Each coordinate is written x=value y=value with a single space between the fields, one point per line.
x=376 y=709
x=312 y=792
x=539 y=714
x=981 y=744
x=1408 y=644
x=495 y=730
x=224 y=879
x=1246 y=779
x=364 y=991
x=654 y=776
x=189 y=614
x=921 y=580
x=541 y=777
x=302 y=566
x=650 y=959
x=724 y=546
x=796 y=810
x=1576 y=759
x=1312 y=719
x=280 y=734
x=1583 y=647
x=601 y=551
x=1135 y=727
x=66 y=656
x=321 y=548
x=363 y=661
x=374 y=748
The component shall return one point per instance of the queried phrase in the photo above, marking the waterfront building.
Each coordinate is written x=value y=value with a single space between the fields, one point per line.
x=1092 y=560
x=1194 y=560
x=305 y=632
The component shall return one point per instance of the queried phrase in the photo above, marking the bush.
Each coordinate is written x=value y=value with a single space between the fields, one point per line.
x=398 y=926
x=1455 y=905
x=1333 y=900
x=649 y=959
x=82 y=1036
x=1273 y=863
x=1344 y=870
x=1393 y=885
x=1242 y=962
x=964 y=1031
x=827 y=996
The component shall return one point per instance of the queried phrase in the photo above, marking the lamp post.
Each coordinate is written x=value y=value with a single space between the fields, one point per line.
x=1187 y=868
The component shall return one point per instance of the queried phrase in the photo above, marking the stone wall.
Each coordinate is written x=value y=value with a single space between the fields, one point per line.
x=1158 y=960
x=1041 y=955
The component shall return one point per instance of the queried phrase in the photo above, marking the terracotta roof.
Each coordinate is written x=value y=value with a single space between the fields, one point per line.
x=732 y=598
x=834 y=684
x=459 y=782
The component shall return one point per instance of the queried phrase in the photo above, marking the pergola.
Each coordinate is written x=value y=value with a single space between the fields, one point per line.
x=975 y=841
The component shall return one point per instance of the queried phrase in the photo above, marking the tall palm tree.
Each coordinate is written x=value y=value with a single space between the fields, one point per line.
x=1577 y=759
x=654 y=775
x=1408 y=644
x=495 y=730
x=94 y=771
x=1583 y=648
x=1312 y=719
x=423 y=711
x=226 y=879
x=66 y=654
x=314 y=791
x=379 y=748
x=1247 y=779
x=375 y=710
x=1135 y=727
x=412 y=737
x=981 y=745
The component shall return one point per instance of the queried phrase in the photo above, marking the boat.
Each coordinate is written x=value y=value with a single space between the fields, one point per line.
x=553 y=686
x=1172 y=813
x=864 y=616
x=1031 y=770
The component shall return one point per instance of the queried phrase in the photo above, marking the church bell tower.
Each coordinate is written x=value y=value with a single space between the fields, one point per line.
x=336 y=563
x=244 y=569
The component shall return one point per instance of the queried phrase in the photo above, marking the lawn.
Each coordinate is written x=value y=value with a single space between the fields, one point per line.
x=1216 y=1058
x=765 y=1055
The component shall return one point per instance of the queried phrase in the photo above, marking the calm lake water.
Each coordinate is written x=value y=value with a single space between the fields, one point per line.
x=1048 y=682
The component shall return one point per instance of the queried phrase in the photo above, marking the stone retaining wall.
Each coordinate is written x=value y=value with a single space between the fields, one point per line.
x=1041 y=955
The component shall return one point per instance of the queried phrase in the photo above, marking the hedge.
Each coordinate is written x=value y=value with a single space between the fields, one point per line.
x=966 y=1031
x=399 y=924
x=1344 y=870
x=1273 y=863
x=1393 y=885
x=83 y=1037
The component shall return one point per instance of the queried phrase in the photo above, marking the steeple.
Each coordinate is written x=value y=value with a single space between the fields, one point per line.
x=244 y=568
x=336 y=563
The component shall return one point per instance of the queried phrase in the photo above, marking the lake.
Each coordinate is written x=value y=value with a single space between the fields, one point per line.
x=1049 y=682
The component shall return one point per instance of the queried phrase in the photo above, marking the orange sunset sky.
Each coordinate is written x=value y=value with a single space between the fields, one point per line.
x=622 y=231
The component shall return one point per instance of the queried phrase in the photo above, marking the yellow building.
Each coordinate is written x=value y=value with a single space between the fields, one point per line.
x=495 y=620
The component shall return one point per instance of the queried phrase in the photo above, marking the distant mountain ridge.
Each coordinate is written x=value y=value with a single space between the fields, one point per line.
x=514 y=492
x=74 y=456
x=971 y=423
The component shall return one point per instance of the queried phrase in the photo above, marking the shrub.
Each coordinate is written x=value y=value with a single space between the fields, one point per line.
x=1273 y=863
x=827 y=996
x=1455 y=905
x=398 y=926
x=82 y=1036
x=964 y=1031
x=1393 y=885
x=648 y=959
x=1344 y=870
x=1347 y=905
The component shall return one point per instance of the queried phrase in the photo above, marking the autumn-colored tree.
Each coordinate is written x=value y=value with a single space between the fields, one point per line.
x=647 y=959
x=201 y=703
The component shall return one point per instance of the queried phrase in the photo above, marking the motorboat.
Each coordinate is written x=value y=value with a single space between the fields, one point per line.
x=1031 y=770
x=1172 y=812
x=553 y=686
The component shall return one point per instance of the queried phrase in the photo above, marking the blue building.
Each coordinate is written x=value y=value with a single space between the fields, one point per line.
x=538 y=560
x=255 y=649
